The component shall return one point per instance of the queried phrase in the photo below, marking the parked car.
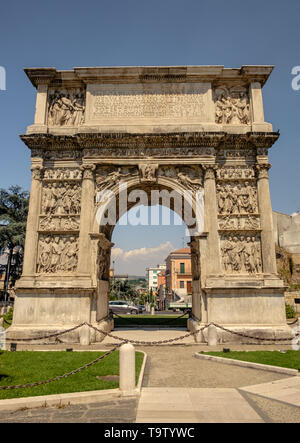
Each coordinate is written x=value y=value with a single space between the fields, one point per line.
x=122 y=307
x=141 y=308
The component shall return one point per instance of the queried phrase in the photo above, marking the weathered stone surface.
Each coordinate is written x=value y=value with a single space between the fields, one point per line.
x=197 y=129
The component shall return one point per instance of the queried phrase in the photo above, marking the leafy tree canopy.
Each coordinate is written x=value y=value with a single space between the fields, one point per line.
x=13 y=216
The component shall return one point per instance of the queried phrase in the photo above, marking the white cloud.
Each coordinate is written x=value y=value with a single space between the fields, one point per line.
x=135 y=261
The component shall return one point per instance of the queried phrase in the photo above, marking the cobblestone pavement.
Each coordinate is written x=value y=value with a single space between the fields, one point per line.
x=114 y=411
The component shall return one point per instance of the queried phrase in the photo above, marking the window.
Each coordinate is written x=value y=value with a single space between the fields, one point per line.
x=181 y=284
x=182 y=270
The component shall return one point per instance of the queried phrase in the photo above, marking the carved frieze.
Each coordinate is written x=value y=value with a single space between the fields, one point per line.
x=239 y=222
x=66 y=107
x=241 y=254
x=61 y=198
x=57 y=254
x=59 y=223
x=62 y=174
x=235 y=172
x=232 y=105
x=237 y=198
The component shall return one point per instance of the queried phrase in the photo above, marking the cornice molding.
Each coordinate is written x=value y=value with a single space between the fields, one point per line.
x=214 y=140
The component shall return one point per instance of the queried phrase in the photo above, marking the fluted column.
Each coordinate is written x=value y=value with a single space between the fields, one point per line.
x=31 y=240
x=266 y=220
x=211 y=220
x=87 y=205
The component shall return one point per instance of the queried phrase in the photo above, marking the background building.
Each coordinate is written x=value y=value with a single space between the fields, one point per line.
x=179 y=274
x=152 y=277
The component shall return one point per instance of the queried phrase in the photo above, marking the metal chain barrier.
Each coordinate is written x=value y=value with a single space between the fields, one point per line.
x=43 y=337
x=241 y=334
x=137 y=342
x=59 y=377
x=145 y=342
x=122 y=341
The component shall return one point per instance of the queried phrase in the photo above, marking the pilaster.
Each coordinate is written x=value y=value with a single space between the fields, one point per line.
x=266 y=219
x=87 y=206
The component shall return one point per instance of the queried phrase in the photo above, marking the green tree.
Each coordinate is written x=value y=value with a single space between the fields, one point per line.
x=13 y=216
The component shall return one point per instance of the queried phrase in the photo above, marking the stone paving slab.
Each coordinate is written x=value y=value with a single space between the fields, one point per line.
x=286 y=390
x=160 y=405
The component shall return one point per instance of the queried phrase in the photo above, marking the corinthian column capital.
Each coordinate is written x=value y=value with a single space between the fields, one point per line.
x=210 y=171
x=262 y=170
x=88 y=171
x=37 y=172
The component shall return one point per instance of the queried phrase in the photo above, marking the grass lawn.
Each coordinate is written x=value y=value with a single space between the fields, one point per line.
x=30 y=366
x=151 y=320
x=289 y=359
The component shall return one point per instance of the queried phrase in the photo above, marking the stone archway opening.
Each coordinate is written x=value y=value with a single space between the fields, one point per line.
x=187 y=204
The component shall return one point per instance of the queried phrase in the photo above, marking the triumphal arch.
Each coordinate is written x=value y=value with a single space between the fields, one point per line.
x=192 y=128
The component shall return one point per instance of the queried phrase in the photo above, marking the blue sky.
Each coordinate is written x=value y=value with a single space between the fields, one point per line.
x=64 y=34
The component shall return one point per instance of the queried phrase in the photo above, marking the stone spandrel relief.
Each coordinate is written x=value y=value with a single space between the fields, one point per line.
x=61 y=198
x=232 y=105
x=107 y=176
x=241 y=254
x=66 y=107
x=57 y=254
x=237 y=198
x=191 y=178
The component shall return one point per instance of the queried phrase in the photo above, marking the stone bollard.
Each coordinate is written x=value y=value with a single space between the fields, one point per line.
x=212 y=335
x=152 y=311
x=85 y=335
x=127 y=369
x=298 y=321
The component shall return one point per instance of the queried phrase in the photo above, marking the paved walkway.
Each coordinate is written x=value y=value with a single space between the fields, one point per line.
x=178 y=388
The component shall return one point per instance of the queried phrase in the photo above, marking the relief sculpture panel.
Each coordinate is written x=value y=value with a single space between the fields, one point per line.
x=61 y=198
x=57 y=254
x=232 y=105
x=66 y=107
x=237 y=198
x=241 y=254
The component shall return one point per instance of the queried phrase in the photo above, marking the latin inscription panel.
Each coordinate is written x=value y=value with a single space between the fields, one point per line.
x=140 y=102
